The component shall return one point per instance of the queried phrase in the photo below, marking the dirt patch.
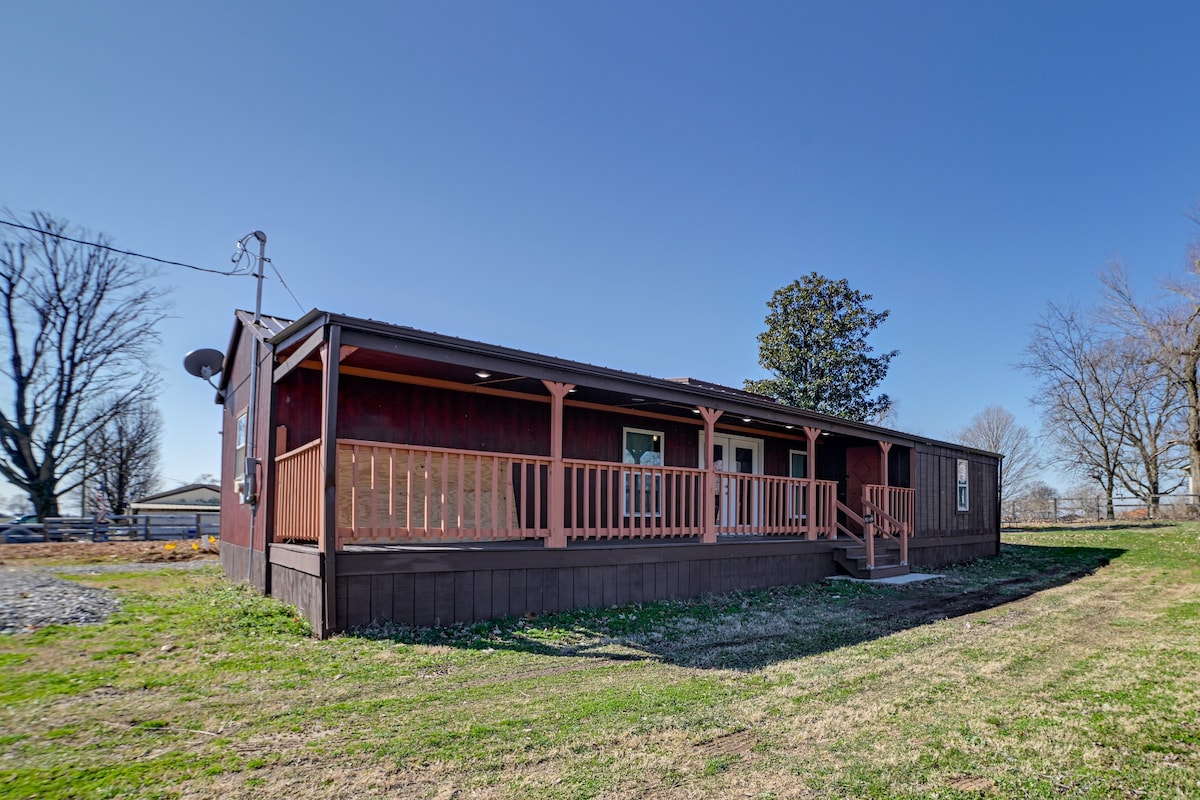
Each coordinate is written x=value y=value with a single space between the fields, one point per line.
x=942 y=604
x=108 y=552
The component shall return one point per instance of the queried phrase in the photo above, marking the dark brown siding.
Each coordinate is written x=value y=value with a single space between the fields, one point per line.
x=940 y=551
x=295 y=579
x=444 y=587
x=899 y=471
x=428 y=587
x=936 y=504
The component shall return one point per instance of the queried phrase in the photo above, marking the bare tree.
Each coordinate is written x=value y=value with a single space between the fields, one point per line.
x=77 y=325
x=1078 y=373
x=1151 y=406
x=996 y=429
x=1173 y=332
x=123 y=455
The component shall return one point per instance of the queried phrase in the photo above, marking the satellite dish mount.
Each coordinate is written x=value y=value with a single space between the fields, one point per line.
x=204 y=363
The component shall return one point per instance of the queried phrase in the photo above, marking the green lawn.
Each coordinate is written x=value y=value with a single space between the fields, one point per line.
x=1067 y=667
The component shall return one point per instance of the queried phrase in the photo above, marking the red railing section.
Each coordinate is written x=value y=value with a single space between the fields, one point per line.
x=604 y=500
x=390 y=493
x=298 y=494
x=398 y=493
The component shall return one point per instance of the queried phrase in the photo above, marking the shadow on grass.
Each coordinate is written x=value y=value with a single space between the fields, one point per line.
x=749 y=630
x=1103 y=525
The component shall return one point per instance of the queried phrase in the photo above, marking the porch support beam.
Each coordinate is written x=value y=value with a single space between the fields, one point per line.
x=810 y=522
x=556 y=490
x=327 y=543
x=300 y=355
x=708 y=526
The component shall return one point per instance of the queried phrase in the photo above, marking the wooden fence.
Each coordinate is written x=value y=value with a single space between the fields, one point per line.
x=137 y=526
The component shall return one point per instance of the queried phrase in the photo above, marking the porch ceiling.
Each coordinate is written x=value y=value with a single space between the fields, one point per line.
x=385 y=366
x=375 y=361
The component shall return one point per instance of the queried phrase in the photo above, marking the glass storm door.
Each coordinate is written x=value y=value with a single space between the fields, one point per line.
x=737 y=498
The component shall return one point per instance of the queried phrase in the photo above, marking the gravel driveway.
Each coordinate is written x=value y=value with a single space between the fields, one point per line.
x=32 y=598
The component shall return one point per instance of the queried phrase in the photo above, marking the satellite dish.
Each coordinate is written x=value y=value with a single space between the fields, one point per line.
x=204 y=363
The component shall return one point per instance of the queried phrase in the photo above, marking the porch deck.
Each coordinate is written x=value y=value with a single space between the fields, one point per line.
x=428 y=535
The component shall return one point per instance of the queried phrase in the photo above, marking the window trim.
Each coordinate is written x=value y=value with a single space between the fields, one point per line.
x=962 y=485
x=631 y=477
x=798 y=498
x=792 y=452
x=240 y=439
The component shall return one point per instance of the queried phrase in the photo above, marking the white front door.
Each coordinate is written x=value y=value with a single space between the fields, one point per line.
x=737 y=498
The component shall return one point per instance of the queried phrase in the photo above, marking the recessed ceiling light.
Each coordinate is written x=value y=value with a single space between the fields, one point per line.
x=483 y=375
x=789 y=427
x=572 y=391
x=745 y=419
x=638 y=399
x=695 y=411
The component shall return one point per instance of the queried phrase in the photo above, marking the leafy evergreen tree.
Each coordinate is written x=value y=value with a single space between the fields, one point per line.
x=815 y=348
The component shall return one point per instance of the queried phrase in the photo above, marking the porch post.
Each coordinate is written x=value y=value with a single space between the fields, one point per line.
x=885 y=448
x=708 y=525
x=810 y=524
x=555 y=494
x=327 y=544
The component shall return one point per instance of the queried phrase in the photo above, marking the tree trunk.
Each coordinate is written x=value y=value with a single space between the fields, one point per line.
x=44 y=499
x=1110 y=485
x=1192 y=389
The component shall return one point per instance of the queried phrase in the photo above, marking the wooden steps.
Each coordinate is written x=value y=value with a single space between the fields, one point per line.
x=852 y=558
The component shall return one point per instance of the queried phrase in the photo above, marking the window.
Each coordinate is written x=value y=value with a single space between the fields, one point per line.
x=239 y=454
x=963 y=487
x=798 y=468
x=798 y=463
x=643 y=490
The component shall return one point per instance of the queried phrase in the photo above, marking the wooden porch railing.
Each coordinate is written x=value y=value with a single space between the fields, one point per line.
x=400 y=493
x=897 y=502
x=623 y=501
x=390 y=493
x=298 y=494
x=766 y=505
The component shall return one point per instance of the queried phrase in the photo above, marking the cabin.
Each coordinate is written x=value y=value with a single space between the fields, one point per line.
x=377 y=472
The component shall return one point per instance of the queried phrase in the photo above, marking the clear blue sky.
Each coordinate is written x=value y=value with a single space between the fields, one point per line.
x=619 y=183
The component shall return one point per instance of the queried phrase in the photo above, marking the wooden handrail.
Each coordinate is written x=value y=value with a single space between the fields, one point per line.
x=853 y=515
x=890 y=524
x=298 y=493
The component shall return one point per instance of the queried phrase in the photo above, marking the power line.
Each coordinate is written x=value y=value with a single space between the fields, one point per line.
x=100 y=246
x=285 y=286
x=236 y=271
